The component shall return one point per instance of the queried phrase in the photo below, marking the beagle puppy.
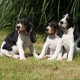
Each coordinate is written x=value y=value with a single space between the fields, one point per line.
x=18 y=40
x=52 y=43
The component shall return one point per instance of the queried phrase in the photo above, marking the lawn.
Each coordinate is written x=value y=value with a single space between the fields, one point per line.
x=33 y=69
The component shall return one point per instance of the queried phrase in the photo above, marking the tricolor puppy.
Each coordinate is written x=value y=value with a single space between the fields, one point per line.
x=20 y=39
x=70 y=37
x=52 y=43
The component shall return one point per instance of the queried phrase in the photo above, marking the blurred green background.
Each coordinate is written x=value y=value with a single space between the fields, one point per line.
x=39 y=11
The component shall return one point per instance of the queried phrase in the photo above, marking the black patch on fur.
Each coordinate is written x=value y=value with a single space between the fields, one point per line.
x=33 y=36
x=7 y=47
x=78 y=44
x=11 y=40
x=12 y=37
x=76 y=33
x=69 y=20
x=59 y=32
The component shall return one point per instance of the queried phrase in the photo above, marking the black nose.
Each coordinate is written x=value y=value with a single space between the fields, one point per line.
x=18 y=27
x=61 y=22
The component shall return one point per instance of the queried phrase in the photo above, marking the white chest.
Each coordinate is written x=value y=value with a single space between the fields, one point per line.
x=68 y=39
x=53 y=44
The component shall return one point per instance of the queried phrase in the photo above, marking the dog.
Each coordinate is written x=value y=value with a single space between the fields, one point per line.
x=70 y=37
x=51 y=45
x=17 y=41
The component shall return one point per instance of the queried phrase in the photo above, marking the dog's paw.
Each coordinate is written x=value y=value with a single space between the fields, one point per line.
x=16 y=56
x=23 y=58
x=36 y=56
x=39 y=57
x=69 y=60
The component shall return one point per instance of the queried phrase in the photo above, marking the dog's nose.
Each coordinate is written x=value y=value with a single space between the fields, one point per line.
x=61 y=22
x=18 y=27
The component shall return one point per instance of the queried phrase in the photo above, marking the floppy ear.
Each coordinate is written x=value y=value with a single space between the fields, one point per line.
x=59 y=32
x=29 y=26
x=27 y=23
x=33 y=35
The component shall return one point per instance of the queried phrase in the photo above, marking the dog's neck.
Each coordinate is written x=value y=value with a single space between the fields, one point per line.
x=66 y=31
x=51 y=36
x=24 y=33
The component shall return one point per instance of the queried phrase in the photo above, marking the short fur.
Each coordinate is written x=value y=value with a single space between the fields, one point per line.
x=70 y=37
x=18 y=40
x=52 y=42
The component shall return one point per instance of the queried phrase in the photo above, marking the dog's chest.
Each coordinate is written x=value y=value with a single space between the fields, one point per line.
x=24 y=39
x=67 y=39
x=53 y=43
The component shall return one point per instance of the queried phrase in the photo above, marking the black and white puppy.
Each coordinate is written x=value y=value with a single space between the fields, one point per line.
x=23 y=37
x=52 y=43
x=70 y=37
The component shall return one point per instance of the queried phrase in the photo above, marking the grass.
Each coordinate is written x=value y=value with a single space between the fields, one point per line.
x=33 y=69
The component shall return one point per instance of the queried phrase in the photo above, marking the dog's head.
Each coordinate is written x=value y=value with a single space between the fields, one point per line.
x=24 y=25
x=66 y=22
x=52 y=27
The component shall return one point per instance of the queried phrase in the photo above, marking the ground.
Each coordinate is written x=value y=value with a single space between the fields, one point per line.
x=33 y=69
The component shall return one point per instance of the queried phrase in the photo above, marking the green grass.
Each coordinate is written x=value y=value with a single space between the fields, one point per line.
x=33 y=69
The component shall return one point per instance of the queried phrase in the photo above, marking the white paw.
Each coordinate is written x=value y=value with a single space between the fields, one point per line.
x=39 y=57
x=36 y=56
x=69 y=60
x=23 y=58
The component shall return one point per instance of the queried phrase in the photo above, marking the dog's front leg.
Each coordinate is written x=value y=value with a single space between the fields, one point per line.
x=21 y=51
x=71 y=52
x=58 y=51
x=45 y=47
x=32 y=50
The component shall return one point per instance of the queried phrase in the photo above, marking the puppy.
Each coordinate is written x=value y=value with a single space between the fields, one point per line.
x=20 y=39
x=52 y=42
x=70 y=37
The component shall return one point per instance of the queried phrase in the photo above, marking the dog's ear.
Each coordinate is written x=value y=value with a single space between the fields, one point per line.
x=70 y=20
x=33 y=35
x=29 y=27
x=59 y=32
